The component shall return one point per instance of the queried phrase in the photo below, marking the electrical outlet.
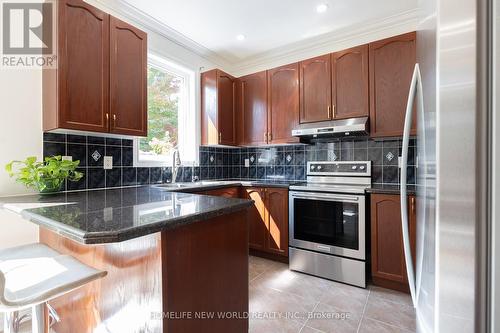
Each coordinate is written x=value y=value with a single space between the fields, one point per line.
x=108 y=214
x=108 y=162
x=247 y=163
x=67 y=158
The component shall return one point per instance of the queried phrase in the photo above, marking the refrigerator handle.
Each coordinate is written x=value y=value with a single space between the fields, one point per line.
x=415 y=88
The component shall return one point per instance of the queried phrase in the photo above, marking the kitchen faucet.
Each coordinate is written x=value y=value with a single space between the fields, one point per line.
x=176 y=163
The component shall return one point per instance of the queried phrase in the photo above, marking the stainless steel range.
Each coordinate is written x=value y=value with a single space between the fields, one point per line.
x=327 y=221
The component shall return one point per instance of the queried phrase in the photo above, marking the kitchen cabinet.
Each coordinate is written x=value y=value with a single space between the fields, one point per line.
x=252 y=109
x=268 y=220
x=283 y=104
x=94 y=54
x=228 y=192
x=277 y=215
x=350 y=93
x=217 y=108
x=387 y=253
x=392 y=61
x=315 y=89
x=128 y=79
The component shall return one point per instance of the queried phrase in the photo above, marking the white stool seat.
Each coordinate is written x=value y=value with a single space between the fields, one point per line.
x=31 y=275
x=36 y=274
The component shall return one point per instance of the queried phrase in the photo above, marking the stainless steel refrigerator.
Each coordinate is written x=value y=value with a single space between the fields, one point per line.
x=451 y=91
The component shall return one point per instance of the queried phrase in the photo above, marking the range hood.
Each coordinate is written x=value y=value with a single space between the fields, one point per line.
x=332 y=129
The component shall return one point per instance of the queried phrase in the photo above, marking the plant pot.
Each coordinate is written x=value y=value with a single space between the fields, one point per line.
x=50 y=186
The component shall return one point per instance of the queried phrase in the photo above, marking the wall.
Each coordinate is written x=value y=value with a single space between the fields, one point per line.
x=20 y=137
x=270 y=162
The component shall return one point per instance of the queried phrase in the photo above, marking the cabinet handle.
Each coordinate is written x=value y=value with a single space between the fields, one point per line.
x=329 y=112
x=333 y=111
x=412 y=204
x=107 y=120
x=270 y=137
x=265 y=137
x=114 y=120
x=220 y=137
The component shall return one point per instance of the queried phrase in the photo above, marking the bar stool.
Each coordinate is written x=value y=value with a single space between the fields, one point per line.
x=31 y=275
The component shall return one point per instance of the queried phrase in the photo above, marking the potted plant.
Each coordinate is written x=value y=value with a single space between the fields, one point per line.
x=47 y=176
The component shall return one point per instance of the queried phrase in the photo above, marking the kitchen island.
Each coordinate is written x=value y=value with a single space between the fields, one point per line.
x=176 y=262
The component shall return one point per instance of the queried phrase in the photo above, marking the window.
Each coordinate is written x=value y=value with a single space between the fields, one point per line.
x=171 y=116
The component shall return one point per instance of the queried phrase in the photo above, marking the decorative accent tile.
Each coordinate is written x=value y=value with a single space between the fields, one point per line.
x=389 y=156
x=96 y=156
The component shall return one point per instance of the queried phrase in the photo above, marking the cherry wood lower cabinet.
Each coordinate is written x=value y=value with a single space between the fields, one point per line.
x=268 y=220
x=228 y=192
x=194 y=269
x=387 y=253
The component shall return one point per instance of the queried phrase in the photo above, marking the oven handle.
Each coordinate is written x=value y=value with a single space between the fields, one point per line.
x=330 y=197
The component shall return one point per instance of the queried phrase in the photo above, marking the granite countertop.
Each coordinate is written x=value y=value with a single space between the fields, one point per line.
x=213 y=185
x=390 y=189
x=115 y=215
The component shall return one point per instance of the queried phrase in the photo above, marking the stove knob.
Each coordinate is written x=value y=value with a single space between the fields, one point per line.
x=313 y=167
x=362 y=167
x=354 y=167
x=319 y=167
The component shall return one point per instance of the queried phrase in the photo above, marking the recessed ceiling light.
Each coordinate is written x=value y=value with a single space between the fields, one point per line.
x=240 y=37
x=322 y=8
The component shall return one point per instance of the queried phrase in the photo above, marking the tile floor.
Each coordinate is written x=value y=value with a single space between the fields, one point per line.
x=291 y=302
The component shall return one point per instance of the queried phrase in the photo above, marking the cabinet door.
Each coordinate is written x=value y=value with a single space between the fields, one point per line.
x=83 y=60
x=252 y=108
x=209 y=114
x=315 y=89
x=277 y=214
x=225 y=101
x=283 y=94
x=230 y=192
x=128 y=79
x=388 y=260
x=392 y=62
x=258 y=227
x=350 y=83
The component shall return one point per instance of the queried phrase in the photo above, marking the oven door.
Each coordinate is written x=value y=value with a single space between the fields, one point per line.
x=328 y=222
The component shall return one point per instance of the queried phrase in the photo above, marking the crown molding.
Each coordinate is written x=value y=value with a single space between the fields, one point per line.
x=146 y=21
x=330 y=42
x=346 y=37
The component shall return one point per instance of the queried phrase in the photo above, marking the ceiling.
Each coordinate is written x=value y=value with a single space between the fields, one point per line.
x=266 y=24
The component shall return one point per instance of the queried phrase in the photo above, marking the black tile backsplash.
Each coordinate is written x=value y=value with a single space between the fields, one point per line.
x=273 y=162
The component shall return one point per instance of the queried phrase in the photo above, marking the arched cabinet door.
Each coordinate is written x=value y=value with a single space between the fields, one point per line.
x=283 y=95
x=315 y=90
x=350 y=94
x=83 y=70
x=257 y=220
x=128 y=79
x=392 y=61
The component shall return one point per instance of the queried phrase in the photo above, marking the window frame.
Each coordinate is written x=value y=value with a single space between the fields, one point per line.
x=188 y=101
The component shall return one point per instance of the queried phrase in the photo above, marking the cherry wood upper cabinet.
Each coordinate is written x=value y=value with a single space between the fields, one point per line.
x=350 y=93
x=252 y=109
x=283 y=104
x=76 y=95
x=277 y=209
x=100 y=82
x=217 y=108
x=391 y=67
x=388 y=260
x=315 y=89
x=257 y=218
x=128 y=79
